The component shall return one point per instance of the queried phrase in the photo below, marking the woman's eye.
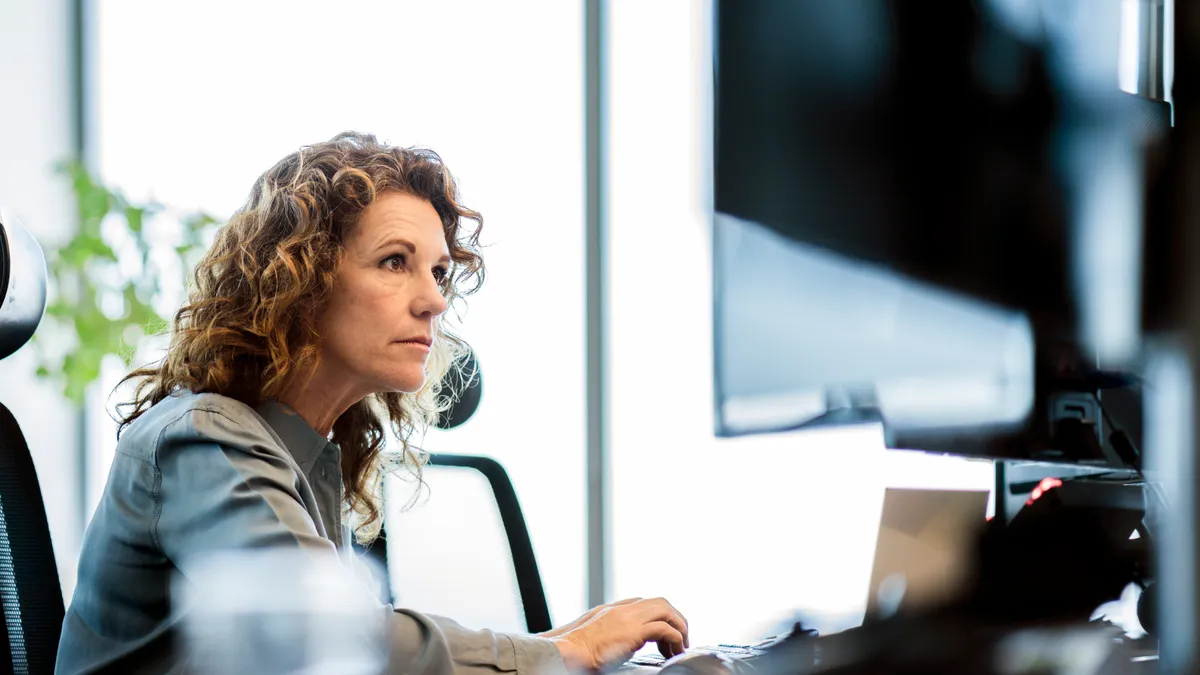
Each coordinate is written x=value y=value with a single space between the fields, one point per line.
x=441 y=274
x=393 y=262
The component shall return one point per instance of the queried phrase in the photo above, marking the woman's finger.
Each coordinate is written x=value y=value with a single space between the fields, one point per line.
x=686 y=640
x=659 y=609
x=670 y=641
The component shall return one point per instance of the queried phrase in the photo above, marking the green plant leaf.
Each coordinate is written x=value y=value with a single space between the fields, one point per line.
x=140 y=313
x=80 y=287
x=59 y=309
x=196 y=222
x=134 y=216
x=83 y=248
x=80 y=368
x=92 y=200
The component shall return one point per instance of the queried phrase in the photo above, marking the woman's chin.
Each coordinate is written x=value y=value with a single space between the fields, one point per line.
x=403 y=385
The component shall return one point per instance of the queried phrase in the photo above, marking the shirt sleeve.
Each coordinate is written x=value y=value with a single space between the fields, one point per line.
x=217 y=495
x=471 y=651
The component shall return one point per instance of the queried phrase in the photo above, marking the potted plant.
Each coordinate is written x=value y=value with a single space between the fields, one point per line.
x=113 y=284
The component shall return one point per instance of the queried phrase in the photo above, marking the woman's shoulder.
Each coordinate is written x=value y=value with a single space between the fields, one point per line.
x=188 y=418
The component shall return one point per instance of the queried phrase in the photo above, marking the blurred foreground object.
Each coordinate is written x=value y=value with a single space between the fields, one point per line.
x=948 y=218
x=277 y=612
x=930 y=215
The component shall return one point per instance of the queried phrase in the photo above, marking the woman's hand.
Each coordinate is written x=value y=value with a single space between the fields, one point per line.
x=555 y=632
x=612 y=633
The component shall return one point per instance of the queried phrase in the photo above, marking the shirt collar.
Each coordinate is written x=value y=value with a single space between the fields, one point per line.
x=298 y=437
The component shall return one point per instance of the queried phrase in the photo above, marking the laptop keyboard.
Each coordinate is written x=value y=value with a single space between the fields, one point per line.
x=654 y=660
x=732 y=651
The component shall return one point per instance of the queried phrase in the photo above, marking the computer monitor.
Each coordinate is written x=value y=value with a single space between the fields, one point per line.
x=929 y=215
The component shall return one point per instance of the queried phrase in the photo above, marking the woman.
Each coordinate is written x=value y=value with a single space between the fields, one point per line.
x=314 y=319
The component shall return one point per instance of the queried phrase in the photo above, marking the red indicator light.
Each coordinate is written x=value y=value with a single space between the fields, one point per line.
x=1042 y=488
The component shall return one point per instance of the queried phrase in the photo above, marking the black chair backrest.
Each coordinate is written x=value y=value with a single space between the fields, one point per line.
x=529 y=579
x=31 y=602
x=30 y=594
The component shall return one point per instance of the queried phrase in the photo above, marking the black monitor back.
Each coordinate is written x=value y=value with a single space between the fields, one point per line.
x=929 y=145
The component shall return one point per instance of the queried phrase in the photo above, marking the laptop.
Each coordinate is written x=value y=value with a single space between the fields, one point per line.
x=922 y=550
x=921 y=557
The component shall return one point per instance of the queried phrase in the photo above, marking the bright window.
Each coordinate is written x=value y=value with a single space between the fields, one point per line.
x=740 y=534
x=196 y=100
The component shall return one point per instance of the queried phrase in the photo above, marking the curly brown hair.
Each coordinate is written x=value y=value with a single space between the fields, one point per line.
x=250 y=324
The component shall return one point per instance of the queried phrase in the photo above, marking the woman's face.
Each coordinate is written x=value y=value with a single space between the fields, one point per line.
x=378 y=324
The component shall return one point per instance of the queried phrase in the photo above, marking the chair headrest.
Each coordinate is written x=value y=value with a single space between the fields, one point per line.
x=466 y=381
x=22 y=284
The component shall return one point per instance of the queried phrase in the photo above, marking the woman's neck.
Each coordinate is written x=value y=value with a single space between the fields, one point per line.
x=320 y=400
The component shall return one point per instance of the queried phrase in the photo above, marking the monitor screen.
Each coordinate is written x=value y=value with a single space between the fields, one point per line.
x=805 y=336
x=926 y=214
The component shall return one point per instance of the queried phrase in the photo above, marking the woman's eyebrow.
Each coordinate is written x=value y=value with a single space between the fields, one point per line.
x=397 y=241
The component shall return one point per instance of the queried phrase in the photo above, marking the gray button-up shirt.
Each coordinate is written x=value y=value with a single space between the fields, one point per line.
x=202 y=472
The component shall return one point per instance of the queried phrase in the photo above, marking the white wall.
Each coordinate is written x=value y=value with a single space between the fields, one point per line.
x=35 y=132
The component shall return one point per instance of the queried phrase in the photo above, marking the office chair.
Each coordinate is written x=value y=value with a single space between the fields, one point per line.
x=529 y=579
x=433 y=555
x=466 y=382
x=31 y=601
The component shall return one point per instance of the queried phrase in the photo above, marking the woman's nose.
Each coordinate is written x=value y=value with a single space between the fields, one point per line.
x=430 y=301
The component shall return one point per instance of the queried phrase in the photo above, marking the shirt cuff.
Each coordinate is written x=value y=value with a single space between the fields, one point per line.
x=536 y=655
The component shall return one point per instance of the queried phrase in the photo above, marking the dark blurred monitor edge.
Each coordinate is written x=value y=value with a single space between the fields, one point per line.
x=902 y=228
x=804 y=338
x=855 y=343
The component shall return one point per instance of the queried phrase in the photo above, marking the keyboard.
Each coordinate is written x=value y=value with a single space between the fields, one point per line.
x=738 y=652
x=732 y=651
